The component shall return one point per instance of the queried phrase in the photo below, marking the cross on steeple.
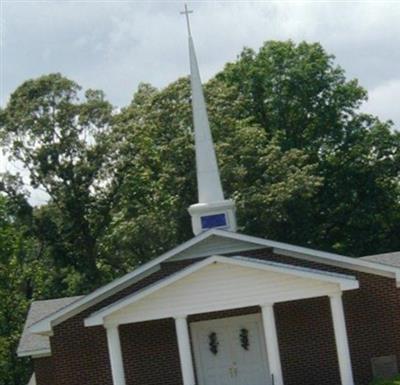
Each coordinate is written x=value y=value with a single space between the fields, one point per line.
x=187 y=12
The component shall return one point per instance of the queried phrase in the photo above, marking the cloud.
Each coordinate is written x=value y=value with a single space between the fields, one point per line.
x=384 y=100
x=115 y=45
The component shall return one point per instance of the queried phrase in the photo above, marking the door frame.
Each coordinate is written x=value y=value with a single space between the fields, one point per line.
x=196 y=346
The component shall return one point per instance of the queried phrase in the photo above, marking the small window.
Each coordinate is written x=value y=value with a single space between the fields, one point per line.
x=215 y=220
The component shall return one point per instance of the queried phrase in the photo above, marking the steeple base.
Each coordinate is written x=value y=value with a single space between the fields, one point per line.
x=219 y=215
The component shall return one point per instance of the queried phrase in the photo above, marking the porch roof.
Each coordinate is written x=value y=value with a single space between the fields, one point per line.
x=216 y=241
x=296 y=282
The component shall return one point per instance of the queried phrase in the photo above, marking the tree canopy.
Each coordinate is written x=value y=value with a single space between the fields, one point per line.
x=303 y=164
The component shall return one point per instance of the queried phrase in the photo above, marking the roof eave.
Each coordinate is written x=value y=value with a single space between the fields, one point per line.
x=318 y=256
x=344 y=282
x=39 y=353
x=45 y=326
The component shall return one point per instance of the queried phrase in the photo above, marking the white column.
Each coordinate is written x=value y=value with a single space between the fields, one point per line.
x=271 y=340
x=185 y=352
x=115 y=354
x=342 y=345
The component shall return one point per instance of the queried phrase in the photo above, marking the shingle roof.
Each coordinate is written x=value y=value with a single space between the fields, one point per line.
x=389 y=259
x=237 y=245
x=39 y=309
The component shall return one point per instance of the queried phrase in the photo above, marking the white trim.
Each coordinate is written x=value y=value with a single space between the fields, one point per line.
x=45 y=326
x=344 y=282
x=342 y=344
x=271 y=338
x=32 y=380
x=35 y=353
x=94 y=319
x=185 y=351
x=317 y=255
x=115 y=356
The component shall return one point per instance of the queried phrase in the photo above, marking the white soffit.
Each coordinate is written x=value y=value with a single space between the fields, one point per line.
x=239 y=242
x=323 y=257
x=341 y=282
x=46 y=325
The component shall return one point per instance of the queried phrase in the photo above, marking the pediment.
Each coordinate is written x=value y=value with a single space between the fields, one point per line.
x=213 y=245
x=212 y=242
x=221 y=283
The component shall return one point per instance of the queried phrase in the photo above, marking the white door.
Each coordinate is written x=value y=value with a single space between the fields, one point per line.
x=230 y=351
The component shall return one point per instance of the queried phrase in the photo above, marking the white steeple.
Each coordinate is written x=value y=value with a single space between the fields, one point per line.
x=212 y=210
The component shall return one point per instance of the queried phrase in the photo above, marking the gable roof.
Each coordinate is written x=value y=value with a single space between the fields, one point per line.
x=389 y=259
x=344 y=282
x=196 y=248
x=35 y=344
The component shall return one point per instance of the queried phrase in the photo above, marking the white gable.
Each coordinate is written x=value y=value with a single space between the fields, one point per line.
x=221 y=283
x=211 y=243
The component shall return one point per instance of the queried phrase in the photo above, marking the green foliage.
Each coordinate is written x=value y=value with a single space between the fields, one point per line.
x=304 y=102
x=153 y=168
x=301 y=161
x=61 y=141
x=20 y=271
x=394 y=381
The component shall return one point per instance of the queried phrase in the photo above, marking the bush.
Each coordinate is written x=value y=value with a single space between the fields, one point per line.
x=393 y=381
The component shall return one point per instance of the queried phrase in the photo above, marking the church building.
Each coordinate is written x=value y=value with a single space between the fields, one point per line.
x=224 y=308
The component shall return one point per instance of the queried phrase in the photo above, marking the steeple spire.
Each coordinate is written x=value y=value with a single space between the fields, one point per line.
x=212 y=210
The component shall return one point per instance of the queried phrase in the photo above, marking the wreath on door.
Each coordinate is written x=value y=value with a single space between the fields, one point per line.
x=213 y=342
x=244 y=338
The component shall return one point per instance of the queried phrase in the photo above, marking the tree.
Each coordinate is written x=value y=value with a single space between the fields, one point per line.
x=153 y=174
x=304 y=165
x=153 y=143
x=61 y=141
x=23 y=277
x=303 y=101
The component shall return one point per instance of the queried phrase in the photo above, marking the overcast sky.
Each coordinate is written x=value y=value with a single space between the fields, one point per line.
x=114 y=45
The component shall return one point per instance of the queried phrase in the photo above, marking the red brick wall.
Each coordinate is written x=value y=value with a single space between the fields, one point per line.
x=307 y=342
x=372 y=318
x=43 y=371
x=79 y=353
x=305 y=332
x=150 y=352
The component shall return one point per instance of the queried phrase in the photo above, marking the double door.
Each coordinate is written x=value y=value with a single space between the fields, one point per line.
x=230 y=351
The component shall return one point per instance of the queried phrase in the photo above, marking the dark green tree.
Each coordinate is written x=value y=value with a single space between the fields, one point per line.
x=304 y=165
x=61 y=140
x=24 y=276
x=303 y=101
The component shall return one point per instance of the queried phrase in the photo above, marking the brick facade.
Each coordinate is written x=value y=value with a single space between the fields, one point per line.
x=372 y=318
x=43 y=368
x=151 y=353
x=80 y=354
x=305 y=332
x=307 y=342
